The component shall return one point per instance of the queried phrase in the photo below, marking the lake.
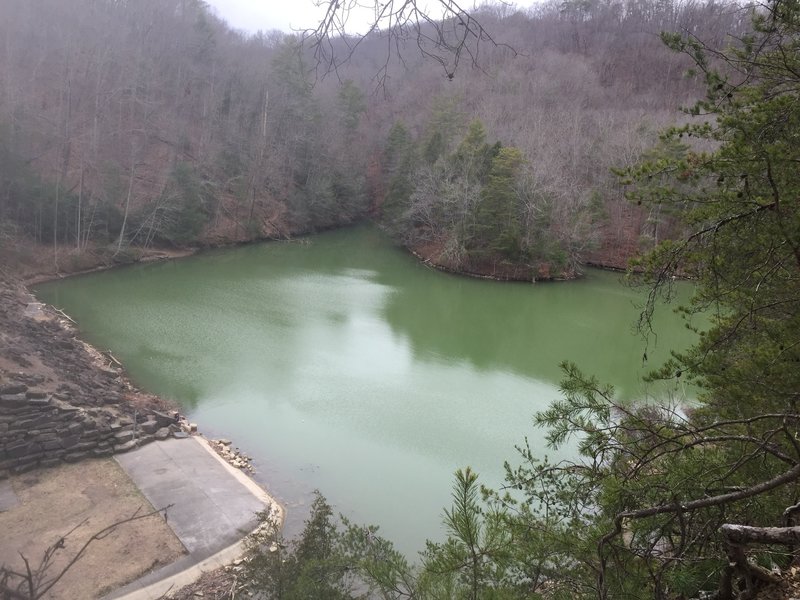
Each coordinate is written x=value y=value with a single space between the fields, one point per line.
x=341 y=363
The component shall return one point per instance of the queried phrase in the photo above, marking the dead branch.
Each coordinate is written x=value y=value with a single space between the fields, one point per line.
x=65 y=315
x=675 y=507
x=736 y=538
x=33 y=584
x=445 y=33
x=112 y=358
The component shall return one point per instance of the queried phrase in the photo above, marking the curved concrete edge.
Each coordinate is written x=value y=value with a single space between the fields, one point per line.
x=170 y=583
x=246 y=481
x=157 y=590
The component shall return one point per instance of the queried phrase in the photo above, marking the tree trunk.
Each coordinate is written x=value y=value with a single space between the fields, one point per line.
x=127 y=199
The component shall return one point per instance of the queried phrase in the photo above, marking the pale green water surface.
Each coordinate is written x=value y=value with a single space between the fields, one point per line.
x=345 y=365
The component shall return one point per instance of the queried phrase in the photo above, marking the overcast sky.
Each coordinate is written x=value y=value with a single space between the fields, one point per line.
x=255 y=15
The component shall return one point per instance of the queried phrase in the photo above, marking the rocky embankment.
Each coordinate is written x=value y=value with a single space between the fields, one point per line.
x=233 y=456
x=42 y=429
x=60 y=399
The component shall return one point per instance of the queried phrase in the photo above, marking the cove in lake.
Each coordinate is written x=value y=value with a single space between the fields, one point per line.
x=341 y=363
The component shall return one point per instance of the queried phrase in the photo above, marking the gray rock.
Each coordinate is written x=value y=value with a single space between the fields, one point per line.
x=149 y=427
x=74 y=457
x=123 y=437
x=75 y=428
x=13 y=399
x=70 y=441
x=163 y=420
x=88 y=445
x=125 y=447
x=180 y=435
x=162 y=433
x=40 y=402
x=18 y=449
x=23 y=468
x=26 y=425
x=13 y=388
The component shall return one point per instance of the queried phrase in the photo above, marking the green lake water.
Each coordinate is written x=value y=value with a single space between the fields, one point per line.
x=341 y=363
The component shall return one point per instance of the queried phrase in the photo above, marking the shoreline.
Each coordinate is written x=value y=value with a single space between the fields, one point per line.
x=436 y=266
x=158 y=256
x=93 y=408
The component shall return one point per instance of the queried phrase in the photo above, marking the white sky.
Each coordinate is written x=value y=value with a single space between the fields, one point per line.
x=285 y=15
x=255 y=15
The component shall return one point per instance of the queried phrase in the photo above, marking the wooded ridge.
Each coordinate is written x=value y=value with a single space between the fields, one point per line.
x=127 y=125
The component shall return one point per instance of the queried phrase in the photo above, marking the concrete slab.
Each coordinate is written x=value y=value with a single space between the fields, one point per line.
x=211 y=508
x=215 y=506
x=8 y=499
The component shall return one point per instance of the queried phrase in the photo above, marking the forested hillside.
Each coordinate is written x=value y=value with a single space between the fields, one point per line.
x=130 y=124
x=133 y=123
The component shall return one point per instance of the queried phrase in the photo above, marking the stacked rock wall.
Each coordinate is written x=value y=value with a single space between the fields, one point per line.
x=38 y=429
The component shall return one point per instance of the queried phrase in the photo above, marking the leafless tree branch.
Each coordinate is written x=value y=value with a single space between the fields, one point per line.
x=446 y=33
x=34 y=584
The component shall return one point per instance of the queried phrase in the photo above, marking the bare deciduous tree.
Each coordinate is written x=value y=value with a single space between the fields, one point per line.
x=443 y=31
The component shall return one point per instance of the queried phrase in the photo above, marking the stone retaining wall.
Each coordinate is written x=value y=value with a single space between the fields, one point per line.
x=38 y=429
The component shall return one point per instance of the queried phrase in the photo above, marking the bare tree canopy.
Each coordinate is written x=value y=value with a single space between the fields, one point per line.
x=443 y=31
